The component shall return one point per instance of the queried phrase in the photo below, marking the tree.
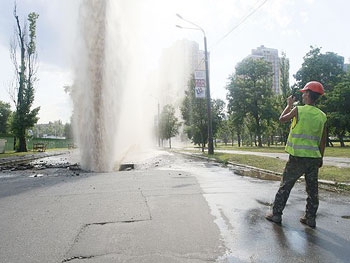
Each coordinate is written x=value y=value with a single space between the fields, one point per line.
x=5 y=112
x=284 y=66
x=236 y=108
x=224 y=132
x=250 y=95
x=169 y=124
x=194 y=114
x=338 y=110
x=218 y=114
x=325 y=68
x=24 y=117
x=68 y=131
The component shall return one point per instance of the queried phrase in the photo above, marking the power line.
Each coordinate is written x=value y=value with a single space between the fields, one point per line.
x=241 y=22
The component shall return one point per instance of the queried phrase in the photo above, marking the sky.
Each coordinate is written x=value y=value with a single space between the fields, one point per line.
x=291 y=26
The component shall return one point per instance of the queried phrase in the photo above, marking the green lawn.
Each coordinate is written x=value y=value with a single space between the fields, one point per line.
x=13 y=153
x=277 y=165
x=335 y=151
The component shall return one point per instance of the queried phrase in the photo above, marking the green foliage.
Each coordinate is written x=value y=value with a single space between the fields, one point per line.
x=224 y=131
x=338 y=110
x=325 y=68
x=168 y=123
x=250 y=96
x=284 y=66
x=328 y=69
x=218 y=114
x=68 y=131
x=5 y=113
x=56 y=128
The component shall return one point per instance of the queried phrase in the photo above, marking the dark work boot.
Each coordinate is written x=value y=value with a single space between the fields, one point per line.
x=309 y=221
x=274 y=218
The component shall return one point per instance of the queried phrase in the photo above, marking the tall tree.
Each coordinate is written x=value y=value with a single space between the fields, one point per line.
x=284 y=66
x=218 y=114
x=338 y=110
x=24 y=117
x=194 y=114
x=236 y=108
x=251 y=88
x=326 y=68
x=5 y=112
x=169 y=124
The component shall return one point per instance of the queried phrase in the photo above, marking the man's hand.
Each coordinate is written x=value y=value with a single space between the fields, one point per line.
x=290 y=101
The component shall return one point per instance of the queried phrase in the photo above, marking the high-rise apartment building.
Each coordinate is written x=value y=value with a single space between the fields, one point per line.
x=270 y=55
x=177 y=64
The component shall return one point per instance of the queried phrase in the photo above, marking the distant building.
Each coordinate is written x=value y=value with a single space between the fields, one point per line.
x=270 y=55
x=177 y=64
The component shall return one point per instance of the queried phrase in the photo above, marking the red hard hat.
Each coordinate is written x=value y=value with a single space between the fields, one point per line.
x=314 y=86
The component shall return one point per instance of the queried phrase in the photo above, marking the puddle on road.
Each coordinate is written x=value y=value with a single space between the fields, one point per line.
x=256 y=174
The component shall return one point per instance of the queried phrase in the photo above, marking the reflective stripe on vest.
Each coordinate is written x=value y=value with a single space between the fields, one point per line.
x=303 y=147
x=305 y=136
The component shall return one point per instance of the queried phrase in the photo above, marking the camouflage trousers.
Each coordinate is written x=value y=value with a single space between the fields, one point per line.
x=295 y=168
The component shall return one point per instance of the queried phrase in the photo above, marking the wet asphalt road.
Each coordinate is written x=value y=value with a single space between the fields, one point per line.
x=238 y=205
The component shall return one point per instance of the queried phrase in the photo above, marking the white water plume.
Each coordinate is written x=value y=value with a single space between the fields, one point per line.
x=115 y=95
x=108 y=111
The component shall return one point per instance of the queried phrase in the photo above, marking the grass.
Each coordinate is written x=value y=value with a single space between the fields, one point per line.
x=330 y=173
x=272 y=164
x=335 y=151
x=13 y=153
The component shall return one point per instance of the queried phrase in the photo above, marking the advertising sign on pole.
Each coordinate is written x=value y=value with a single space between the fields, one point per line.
x=199 y=76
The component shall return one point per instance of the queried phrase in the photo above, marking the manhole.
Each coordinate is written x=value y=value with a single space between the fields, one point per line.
x=126 y=167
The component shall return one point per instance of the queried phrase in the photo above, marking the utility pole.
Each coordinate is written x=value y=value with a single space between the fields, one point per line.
x=210 y=125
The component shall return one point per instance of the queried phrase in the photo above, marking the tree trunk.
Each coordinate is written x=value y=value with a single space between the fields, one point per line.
x=22 y=147
x=238 y=139
x=341 y=140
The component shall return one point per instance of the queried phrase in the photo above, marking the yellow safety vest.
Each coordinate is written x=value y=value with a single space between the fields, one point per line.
x=306 y=132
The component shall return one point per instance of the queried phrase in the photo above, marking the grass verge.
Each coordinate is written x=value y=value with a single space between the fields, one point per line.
x=330 y=173
x=14 y=154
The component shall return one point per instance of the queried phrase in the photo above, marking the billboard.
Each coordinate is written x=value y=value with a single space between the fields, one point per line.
x=200 y=83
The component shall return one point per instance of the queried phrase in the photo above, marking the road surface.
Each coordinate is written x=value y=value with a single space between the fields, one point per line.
x=171 y=208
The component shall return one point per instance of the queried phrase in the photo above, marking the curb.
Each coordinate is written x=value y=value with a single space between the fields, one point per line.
x=251 y=171
x=27 y=158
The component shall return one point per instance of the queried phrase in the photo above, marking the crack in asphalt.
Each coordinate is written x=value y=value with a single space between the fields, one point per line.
x=76 y=240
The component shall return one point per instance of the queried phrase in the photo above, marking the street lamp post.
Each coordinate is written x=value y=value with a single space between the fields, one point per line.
x=210 y=126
